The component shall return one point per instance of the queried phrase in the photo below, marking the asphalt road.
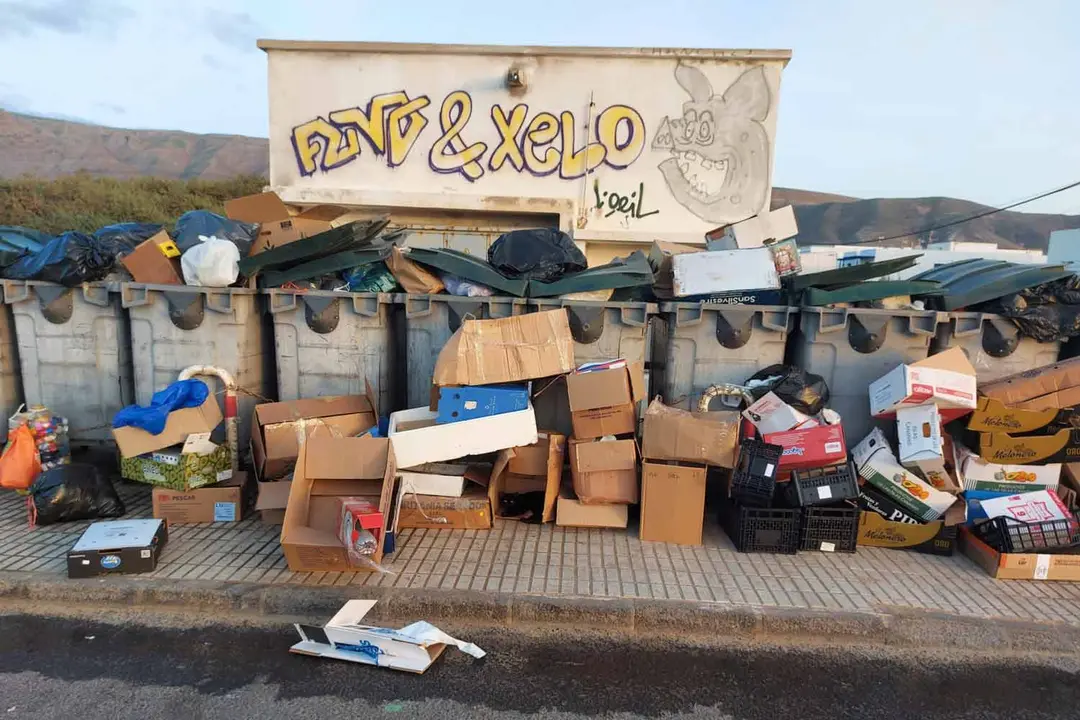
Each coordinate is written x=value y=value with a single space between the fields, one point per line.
x=59 y=668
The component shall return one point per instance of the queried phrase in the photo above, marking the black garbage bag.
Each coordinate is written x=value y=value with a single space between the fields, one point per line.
x=69 y=259
x=543 y=254
x=194 y=223
x=74 y=492
x=127 y=235
x=806 y=392
x=24 y=238
x=1047 y=312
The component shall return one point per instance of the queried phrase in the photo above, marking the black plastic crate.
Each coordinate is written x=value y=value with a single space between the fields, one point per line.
x=762 y=530
x=1012 y=536
x=822 y=486
x=753 y=481
x=830 y=529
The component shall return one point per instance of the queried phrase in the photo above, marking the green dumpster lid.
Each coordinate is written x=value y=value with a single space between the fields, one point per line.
x=831 y=279
x=351 y=236
x=468 y=267
x=325 y=266
x=868 y=291
x=632 y=271
x=970 y=282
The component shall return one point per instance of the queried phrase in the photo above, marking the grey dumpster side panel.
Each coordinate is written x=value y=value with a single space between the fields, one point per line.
x=226 y=328
x=78 y=363
x=993 y=344
x=11 y=388
x=826 y=345
x=328 y=343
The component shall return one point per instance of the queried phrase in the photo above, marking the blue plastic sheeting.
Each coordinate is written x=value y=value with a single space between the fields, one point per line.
x=181 y=394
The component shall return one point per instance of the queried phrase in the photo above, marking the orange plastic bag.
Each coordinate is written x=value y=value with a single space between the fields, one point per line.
x=20 y=464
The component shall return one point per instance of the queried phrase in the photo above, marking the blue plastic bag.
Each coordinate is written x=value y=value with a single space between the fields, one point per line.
x=194 y=223
x=69 y=259
x=181 y=394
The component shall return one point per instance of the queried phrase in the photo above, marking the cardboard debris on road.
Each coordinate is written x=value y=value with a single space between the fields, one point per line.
x=412 y=648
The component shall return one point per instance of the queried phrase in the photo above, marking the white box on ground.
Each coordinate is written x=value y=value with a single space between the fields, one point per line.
x=921 y=448
x=770 y=414
x=441 y=479
x=412 y=648
x=416 y=438
x=946 y=380
x=722 y=270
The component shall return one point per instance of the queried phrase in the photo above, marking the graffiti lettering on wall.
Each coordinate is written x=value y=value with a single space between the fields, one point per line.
x=538 y=142
x=630 y=206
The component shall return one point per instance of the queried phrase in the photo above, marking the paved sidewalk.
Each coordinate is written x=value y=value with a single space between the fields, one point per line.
x=532 y=559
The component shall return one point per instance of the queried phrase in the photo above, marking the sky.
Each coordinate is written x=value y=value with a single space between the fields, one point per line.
x=973 y=99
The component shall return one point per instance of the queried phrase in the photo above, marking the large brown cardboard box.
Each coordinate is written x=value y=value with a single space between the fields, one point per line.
x=574 y=513
x=1061 y=447
x=329 y=468
x=222 y=502
x=513 y=349
x=277 y=226
x=471 y=511
x=149 y=264
x=271 y=500
x=604 y=471
x=672 y=503
x=1019 y=566
x=276 y=428
x=932 y=538
x=132 y=441
x=604 y=402
x=672 y=434
x=1050 y=386
x=530 y=468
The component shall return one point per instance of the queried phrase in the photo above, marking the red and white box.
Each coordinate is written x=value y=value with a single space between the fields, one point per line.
x=810 y=447
x=946 y=380
x=358 y=514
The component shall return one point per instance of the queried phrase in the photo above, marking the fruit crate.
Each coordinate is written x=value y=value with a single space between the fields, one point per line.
x=822 y=486
x=753 y=481
x=1012 y=536
x=830 y=529
x=761 y=530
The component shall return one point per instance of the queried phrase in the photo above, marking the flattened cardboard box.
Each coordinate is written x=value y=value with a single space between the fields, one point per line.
x=1051 y=386
x=672 y=503
x=994 y=416
x=1019 y=566
x=221 y=502
x=604 y=471
x=574 y=513
x=604 y=402
x=504 y=350
x=934 y=538
x=673 y=434
x=133 y=441
x=276 y=428
x=329 y=468
x=277 y=226
x=471 y=511
x=1061 y=447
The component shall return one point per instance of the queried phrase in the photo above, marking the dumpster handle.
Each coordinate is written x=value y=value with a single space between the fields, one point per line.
x=916 y=323
x=778 y=320
x=417 y=305
x=367 y=305
x=219 y=301
x=838 y=319
x=686 y=315
x=133 y=295
x=505 y=307
x=11 y=297
x=965 y=324
x=281 y=300
x=231 y=421
x=96 y=295
x=635 y=315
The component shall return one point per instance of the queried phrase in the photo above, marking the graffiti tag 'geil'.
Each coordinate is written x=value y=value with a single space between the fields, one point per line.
x=540 y=143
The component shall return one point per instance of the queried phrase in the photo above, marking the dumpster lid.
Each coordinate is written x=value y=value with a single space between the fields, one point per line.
x=969 y=282
x=351 y=236
x=852 y=274
x=874 y=290
x=632 y=271
x=469 y=268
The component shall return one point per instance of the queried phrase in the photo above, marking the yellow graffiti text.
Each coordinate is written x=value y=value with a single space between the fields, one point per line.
x=453 y=117
x=576 y=163
x=508 y=127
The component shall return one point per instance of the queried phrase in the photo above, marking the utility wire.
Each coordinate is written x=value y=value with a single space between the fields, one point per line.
x=976 y=216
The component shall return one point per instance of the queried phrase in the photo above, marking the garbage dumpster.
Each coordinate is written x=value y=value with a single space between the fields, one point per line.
x=328 y=343
x=430 y=320
x=11 y=390
x=853 y=347
x=176 y=326
x=993 y=344
x=74 y=353
x=709 y=344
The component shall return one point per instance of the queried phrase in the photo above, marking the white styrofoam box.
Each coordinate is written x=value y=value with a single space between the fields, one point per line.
x=426 y=442
x=722 y=270
x=422 y=481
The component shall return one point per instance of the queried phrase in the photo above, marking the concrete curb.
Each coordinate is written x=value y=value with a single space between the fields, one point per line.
x=642 y=618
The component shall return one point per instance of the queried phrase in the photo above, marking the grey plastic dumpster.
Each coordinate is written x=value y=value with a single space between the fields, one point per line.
x=709 y=344
x=328 y=343
x=176 y=326
x=853 y=347
x=430 y=320
x=74 y=353
x=11 y=388
x=993 y=344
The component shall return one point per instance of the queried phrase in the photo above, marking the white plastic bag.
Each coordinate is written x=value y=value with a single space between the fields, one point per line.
x=212 y=263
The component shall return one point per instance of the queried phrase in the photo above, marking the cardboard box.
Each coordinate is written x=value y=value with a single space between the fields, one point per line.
x=445 y=479
x=723 y=271
x=277 y=226
x=604 y=402
x=769 y=414
x=221 y=502
x=1031 y=507
x=946 y=380
x=672 y=434
x=994 y=416
x=277 y=428
x=1052 y=386
x=770 y=225
x=814 y=447
x=327 y=469
x=604 y=471
x=920 y=448
x=975 y=473
x=574 y=513
x=117 y=547
x=151 y=263
x=532 y=468
x=133 y=441
x=1061 y=447
x=1019 y=566
x=879 y=467
x=417 y=439
x=471 y=511
x=934 y=538
x=672 y=503
x=271 y=499
x=506 y=350
x=195 y=464
x=412 y=648
x=471 y=402
x=876 y=501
